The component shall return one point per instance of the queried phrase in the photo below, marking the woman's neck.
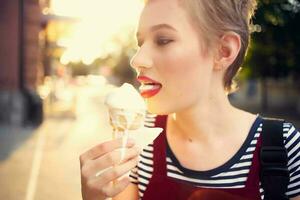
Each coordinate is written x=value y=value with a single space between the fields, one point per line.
x=205 y=120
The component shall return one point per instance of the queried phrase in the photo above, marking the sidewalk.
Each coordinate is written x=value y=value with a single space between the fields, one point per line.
x=11 y=138
x=43 y=163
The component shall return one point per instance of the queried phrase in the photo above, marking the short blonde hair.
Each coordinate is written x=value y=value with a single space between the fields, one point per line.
x=215 y=17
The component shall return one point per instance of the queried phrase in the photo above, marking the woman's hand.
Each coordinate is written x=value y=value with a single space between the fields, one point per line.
x=101 y=166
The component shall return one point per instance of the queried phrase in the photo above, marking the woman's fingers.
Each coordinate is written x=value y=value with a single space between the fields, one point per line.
x=93 y=167
x=103 y=148
x=112 y=189
x=113 y=173
x=101 y=165
x=107 y=184
x=94 y=192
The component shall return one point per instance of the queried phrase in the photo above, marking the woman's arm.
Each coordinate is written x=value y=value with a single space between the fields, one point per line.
x=131 y=192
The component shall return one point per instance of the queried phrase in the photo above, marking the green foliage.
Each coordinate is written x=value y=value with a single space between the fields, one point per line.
x=275 y=47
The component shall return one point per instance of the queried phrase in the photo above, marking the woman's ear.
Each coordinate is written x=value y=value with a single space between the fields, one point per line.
x=227 y=50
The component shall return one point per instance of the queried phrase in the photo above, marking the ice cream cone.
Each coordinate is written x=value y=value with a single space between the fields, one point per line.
x=121 y=119
x=127 y=111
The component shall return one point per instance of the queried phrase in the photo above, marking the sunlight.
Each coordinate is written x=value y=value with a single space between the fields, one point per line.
x=99 y=22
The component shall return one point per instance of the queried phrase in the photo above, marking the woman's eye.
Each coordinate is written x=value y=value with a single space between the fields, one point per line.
x=163 y=41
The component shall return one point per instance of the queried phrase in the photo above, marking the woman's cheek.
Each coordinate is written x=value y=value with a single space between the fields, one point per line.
x=179 y=86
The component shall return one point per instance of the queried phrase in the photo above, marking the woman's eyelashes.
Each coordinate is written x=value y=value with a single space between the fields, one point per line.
x=162 y=41
x=159 y=41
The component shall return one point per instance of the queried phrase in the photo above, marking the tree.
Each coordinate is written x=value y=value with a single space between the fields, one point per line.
x=274 y=50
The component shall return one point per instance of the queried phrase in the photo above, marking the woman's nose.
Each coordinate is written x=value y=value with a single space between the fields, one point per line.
x=141 y=59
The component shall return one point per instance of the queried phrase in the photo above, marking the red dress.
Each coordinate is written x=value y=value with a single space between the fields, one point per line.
x=162 y=187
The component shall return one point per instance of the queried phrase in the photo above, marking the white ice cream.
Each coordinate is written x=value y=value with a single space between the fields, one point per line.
x=125 y=97
x=127 y=108
x=127 y=111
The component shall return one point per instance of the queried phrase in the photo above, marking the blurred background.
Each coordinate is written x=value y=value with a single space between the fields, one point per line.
x=58 y=60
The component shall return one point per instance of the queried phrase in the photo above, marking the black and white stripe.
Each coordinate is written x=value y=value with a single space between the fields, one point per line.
x=150 y=120
x=234 y=176
x=292 y=144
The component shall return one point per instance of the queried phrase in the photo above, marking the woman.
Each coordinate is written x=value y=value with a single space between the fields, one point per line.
x=189 y=52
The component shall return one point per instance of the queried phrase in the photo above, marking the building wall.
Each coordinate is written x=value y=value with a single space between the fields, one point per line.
x=9 y=55
x=32 y=21
x=10 y=44
x=14 y=98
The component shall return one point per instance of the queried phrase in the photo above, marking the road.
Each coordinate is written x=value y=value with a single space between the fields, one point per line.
x=43 y=163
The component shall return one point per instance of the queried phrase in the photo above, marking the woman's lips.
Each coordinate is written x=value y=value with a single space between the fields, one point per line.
x=148 y=91
x=149 y=87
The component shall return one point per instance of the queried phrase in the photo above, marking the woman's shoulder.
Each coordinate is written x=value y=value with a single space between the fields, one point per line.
x=291 y=137
x=291 y=134
x=289 y=130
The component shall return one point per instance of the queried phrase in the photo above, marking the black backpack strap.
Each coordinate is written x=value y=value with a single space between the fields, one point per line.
x=274 y=173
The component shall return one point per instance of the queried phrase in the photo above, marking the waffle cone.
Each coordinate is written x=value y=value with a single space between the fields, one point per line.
x=121 y=119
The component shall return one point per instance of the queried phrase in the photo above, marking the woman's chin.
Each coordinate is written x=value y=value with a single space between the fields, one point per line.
x=157 y=108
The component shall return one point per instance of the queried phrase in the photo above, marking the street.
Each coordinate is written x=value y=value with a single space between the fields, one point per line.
x=44 y=163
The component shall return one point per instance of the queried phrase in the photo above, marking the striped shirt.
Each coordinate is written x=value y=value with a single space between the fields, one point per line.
x=232 y=174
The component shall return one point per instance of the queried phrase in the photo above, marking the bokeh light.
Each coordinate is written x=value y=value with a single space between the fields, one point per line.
x=98 y=22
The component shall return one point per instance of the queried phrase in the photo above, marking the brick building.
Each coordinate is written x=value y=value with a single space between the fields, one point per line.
x=20 y=60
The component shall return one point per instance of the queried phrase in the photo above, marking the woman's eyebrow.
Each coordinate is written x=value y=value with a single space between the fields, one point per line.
x=157 y=27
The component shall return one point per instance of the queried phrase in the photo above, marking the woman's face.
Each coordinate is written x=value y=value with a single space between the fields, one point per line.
x=170 y=54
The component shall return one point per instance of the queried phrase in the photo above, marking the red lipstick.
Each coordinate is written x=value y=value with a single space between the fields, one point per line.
x=149 y=87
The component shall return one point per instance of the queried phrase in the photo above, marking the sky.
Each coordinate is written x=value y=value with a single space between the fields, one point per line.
x=98 y=22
